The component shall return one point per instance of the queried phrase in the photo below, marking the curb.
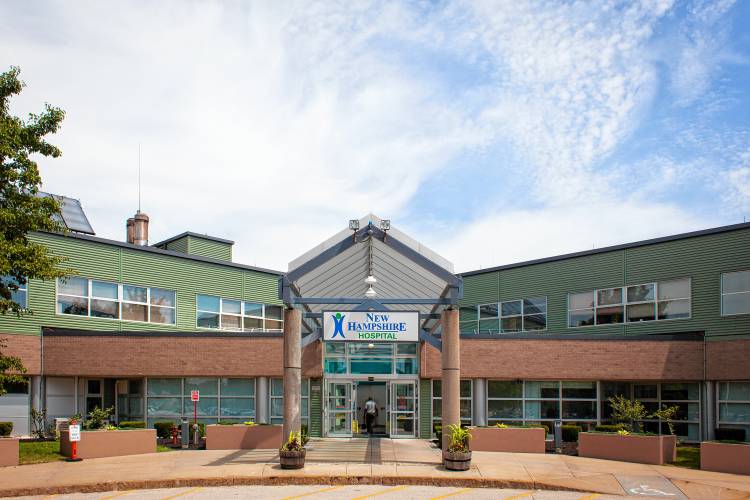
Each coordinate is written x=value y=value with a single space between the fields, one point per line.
x=284 y=480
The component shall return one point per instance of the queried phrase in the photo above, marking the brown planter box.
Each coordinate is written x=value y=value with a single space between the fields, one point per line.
x=656 y=450
x=8 y=451
x=508 y=439
x=99 y=444
x=725 y=457
x=243 y=437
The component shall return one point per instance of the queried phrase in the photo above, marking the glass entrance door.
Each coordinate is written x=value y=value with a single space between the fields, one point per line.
x=339 y=401
x=403 y=406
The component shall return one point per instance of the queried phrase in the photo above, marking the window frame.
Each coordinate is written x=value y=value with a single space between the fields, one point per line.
x=624 y=303
x=242 y=315
x=521 y=316
x=722 y=294
x=21 y=288
x=120 y=300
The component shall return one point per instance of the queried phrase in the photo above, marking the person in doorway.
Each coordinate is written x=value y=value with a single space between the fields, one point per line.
x=371 y=413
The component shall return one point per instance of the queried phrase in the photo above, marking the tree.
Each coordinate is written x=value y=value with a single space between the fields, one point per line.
x=12 y=364
x=628 y=412
x=22 y=209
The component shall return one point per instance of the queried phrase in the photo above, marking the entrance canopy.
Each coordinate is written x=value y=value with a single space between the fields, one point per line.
x=408 y=277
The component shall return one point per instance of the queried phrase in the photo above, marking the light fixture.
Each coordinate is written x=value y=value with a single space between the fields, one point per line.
x=370 y=345
x=385 y=225
x=370 y=293
x=370 y=280
x=354 y=224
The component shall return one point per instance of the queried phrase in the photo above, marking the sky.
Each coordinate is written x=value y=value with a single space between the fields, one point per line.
x=491 y=131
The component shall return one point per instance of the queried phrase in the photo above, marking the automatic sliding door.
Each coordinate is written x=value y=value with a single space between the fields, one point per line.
x=339 y=408
x=403 y=406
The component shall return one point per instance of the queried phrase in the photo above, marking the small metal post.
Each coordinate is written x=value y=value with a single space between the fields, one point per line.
x=185 y=433
x=558 y=436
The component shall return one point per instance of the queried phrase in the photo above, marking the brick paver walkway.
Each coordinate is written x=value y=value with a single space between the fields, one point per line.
x=361 y=461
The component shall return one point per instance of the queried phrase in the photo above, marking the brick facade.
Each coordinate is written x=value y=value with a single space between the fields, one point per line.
x=562 y=359
x=136 y=356
x=26 y=347
x=728 y=360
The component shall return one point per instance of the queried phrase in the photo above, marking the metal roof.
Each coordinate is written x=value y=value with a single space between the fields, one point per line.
x=194 y=235
x=642 y=243
x=413 y=276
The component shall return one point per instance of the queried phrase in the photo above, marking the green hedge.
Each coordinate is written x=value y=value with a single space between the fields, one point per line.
x=611 y=428
x=6 y=428
x=570 y=433
x=163 y=429
x=724 y=434
x=133 y=424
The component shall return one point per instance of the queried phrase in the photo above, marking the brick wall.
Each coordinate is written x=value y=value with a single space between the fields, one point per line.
x=728 y=360
x=573 y=359
x=26 y=347
x=130 y=356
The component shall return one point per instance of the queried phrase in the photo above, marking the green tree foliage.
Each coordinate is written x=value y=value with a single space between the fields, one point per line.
x=22 y=210
x=10 y=364
x=627 y=411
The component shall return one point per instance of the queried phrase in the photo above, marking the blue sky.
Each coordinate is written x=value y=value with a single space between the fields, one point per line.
x=493 y=132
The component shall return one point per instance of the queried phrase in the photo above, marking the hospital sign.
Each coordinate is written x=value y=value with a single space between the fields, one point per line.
x=371 y=326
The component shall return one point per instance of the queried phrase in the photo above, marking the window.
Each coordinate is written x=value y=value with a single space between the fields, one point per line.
x=225 y=399
x=465 y=402
x=533 y=402
x=686 y=396
x=103 y=299
x=734 y=406
x=735 y=293
x=522 y=315
x=94 y=395
x=228 y=314
x=663 y=300
x=276 y=402
x=378 y=358
x=19 y=295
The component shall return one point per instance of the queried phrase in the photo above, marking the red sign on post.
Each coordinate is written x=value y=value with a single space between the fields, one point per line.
x=195 y=396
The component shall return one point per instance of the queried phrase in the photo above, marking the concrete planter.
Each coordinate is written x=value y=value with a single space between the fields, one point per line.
x=8 y=451
x=243 y=437
x=508 y=439
x=656 y=450
x=725 y=457
x=99 y=444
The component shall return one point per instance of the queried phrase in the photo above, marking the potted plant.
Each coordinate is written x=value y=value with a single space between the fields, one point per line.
x=292 y=453
x=458 y=454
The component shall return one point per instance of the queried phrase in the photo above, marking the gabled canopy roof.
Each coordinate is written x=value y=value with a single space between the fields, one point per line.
x=410 y=276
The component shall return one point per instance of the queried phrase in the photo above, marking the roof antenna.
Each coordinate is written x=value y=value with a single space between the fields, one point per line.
x=139 y=176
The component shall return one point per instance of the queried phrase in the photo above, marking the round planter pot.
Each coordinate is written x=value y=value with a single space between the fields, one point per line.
x=457 y=460
x=292 y=459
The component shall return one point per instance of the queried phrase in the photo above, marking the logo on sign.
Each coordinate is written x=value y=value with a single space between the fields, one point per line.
x=338 y=325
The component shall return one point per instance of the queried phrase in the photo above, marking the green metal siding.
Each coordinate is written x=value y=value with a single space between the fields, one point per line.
x=316 y=407
x=179 y=245
x=702 y=258
x=425 y=408
x=209 y=248
x=134 y=267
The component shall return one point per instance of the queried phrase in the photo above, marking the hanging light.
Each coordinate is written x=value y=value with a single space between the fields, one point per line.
x=370 y=280
x=370 y=293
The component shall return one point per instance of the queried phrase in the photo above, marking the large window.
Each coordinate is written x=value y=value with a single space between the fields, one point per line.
x=663 y=300
x=735 y=293
x=104 y=299
x=276 y=402
x=237 y=315
x=533 y=402
x=226 y=399
x=19 y=295
x=684 y=395
x=734 y=406
x=522 y=315
x=377 y=358
x=437 y=402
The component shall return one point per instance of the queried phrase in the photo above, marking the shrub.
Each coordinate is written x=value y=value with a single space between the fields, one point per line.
x=98 y=416
x=163 y=429
x=226 y=422
x=6 y=428
x=293 y=442
x=39 y=422
x=304 y=434
x=133 y=424
x=628 y=411
x=610 y=427
x=570 y=433
x=459 y=439
x=724 y=434
x=535 y=426
x=667 y=413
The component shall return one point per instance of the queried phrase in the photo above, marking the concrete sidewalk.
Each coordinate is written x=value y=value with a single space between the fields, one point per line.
x=388 y=462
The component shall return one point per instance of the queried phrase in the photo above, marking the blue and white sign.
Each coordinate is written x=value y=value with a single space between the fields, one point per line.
x=371 y=326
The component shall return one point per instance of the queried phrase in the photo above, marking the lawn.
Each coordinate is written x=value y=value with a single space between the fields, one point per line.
x=37 y=452
x=688 y=456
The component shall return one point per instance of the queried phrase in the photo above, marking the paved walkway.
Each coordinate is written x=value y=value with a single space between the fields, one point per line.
x=360 y=461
